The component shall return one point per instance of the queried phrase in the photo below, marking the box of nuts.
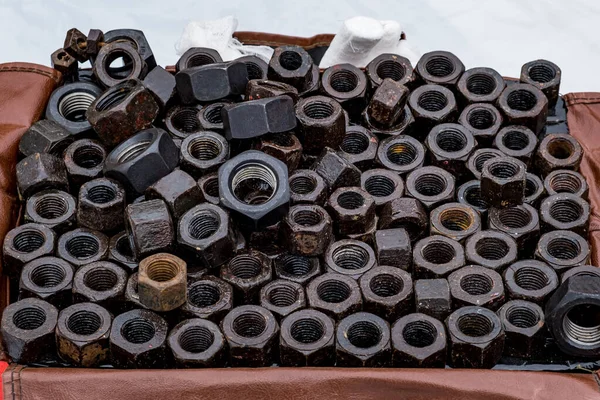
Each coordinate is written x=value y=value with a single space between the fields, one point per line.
x=264 y=213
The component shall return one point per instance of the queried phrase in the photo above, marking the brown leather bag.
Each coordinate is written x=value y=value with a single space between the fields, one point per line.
x=24 y=90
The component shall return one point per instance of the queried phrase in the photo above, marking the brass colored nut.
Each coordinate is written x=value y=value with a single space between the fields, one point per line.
x=334 y=294
x=162 y=282
x=363 y=340
x=418 y=341
x=25 y=243
x=307 y=339
x=307 y=230
x=524 y=328
x=387 y=292
x=503 y=182
x=454 y=220
x=476 y=286
x=197 y=343
x=558 y=151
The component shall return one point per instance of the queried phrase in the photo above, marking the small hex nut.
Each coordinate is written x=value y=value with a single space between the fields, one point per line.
x=307 y=338
x=558 y=151
x=162 y=282
x=523 y=324
x=307 y=186
x=282 y=297
x=25 y=243
x=476 y=286
x=348 y=85
x=82 y=246
x=454 y=220
x=203 y=152
x=73 y=45
x=517 y=141
x=387 y=103
x=285 y=147
x=352 y=209
x=562 y=250
x=334 y=294
x=407 y=213
x=44 y=136
x=63 y=62
x=321 y=123
x=437 y=257
x=41 y=171
x=401 y=154
x=418 y=341
x=430 y=185
x=101 y=205
x=503 y=182
x=440 y=67
x=297 y=269
x=387 y=292
x=393 y=248
x=149 y=227
x=95 y=40
x=119 y=252
x=530 y=280
x=254 y=118
x=491 y=249
x=196 y=57
x=450 y=146
x=82 y=334
x=479 y=157
x=480 y=85
x=483 y=120
x=100 y=282
x=432 y=297
x=84 y=161
x=545 y=75
x=49 y=279
x=247 y=273
x=336 y=170
x=211 y=82
x=565 y=211
x=359 y=147
x=54 y=208
x=209 y=298
x=161 y=84
x=404 y=124
x=524 y=104
x=432 y=105
x=121 y=111
x=178 y=190
x=198 y=343
x=292 y=65
x=350 y=257
x=363 y=340
x=566 y=181
x=522 y=223
x=392 y=66
x=307 y=230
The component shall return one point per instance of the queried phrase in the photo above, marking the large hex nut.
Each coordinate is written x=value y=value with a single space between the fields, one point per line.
x=562 y=250
x=321 y=123
x=307 y=339
x=503 y=182
x=407 y=213
x=524 y=104
x=203 y=152
x=432 y=105
x=208 y=298
x=100 y=282
x=522 y=223
x=41 y=171
x=353 y=210
x=84 y=161
x=138 y=41
x=178 y=190
x=558 y=151
x=440 y=67
x=480 y=85
x=142 y=160
x=387 y=292
x=392 y=66
x=101 y=205
x=297 y=269
x=44 y=136
x=491 y=249
x=437 y=256
x=476 y=286
x=138 y=340
x=336 y=170
x=211 y=82
x=82 y=334
x=334 y=294
x=585 y=270
x=476 y=338
x=523 y=324
x=348 y=85
x=121 y=111
x=545 y=75
x=363 y=340
x=68 y=104
x=530 y=280
x=28 y=330
x=307 y=230
x=254 y=118
x=430 y=185
x=418 y=341
x=254 y=186
x=196 y=57
x=82 y=246
x=135 y=68
x=206 y=237
x=25 y=243
x=294 y=66
x=247 y=272
x=149 y=227
x=450 y=146
x=49 y=279
x=197 y=343
x=162 y=282
x=251 y=332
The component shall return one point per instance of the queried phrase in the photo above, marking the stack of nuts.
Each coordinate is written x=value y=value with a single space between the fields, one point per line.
x=247 y=213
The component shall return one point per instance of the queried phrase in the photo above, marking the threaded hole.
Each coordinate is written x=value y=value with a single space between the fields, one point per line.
x=350 y=200
x=101 y=194
x=481 y=158
x=439 y=66
x=481 y=118
x=501 y=169
x=204 y=295
x=475 y=325
x=566 y=211
x=303 y=184
x=582 y=324
x=542 y=73
x=419 y=334
x=515 y=140
x=296 y=265
x=380 y=186
x=84 y=322
x=476 y=284
x=186 y=120
x=290 y=60
x=530 y=278
x=564 y=248
x=196 y=339
x=333 y=291
x=204 y=224
x=307 y=330
x=88 y=156
x=283 y=296
x=350 y=257
x=473 y=197
x=318 y=110
x=451 y=140
x=138 y=331
x=522 y=317
x=386 y=285
x=521 y=100
x=250 y=324
x=29 y=318
x=481 y=84
x=82 y=247
x=114 y=96
x=364 y=334
x=162 y=270
x=432 y=101
x=531 y=186
x=124 y=247
x=48 y=275
x=560 y=148
x=565 y=182
x=200 y=59
x=73 y=106
x=117 y=62
x=402 y=154
x=456 y=220
x=514 y=217
x=343 y=81
x=212 y=113
x=254 y=71
x=133 y=151
x=391 y=69
x=245 y=266
x=204 y=148
x=100 y=279
x=355 y=143
x=491 y=248
x=28 y=241
x=430 y=184
x=254 y=184
x=51 y=206
x=307 y=217
x=438 y=252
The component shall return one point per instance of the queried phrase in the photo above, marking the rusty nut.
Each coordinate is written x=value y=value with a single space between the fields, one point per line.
x=41 y=171
x=54 y=208
x=483 y=120
x=283 y=146
x=260 y=88
x=307 y=186
x=359 y=147
x=349 y=257
x=352 y=209
x=479 y=157
x=558 y=151
x=430 y=185
x=197 y=343
x=348 y=85
x=517 y=141
x=393 y=248
x=321 y=123
x=336 y=170
x=162 y=282
x=566 y=181
x=247 y=272
x=476 y=286
x=25 y=243
x=307 y=230
x=432 y=105
x=84 y=160
x=450 y=146
x=454 y=220
x=44 y=136
x=522 y=223
x=440 y=67
x=407 y=213
x=565 y=211
x=392 y=66
x=545 y=75
x=178 y=190
x=101 y=205
x=503 y=182
x=282 y=297
x=149 y=227
x=387 y=103
x=524 y=104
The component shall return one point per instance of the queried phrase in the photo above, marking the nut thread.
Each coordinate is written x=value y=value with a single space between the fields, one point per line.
x=84 y=322
x=196 y=339
x=307 y=330
x=419 y=334
x=364 y=334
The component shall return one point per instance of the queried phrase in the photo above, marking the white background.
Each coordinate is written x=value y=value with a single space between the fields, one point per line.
x=498 y=34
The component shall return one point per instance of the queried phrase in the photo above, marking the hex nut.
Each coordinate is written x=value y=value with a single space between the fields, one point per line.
x=440 y=67
x=522 y=223
x=84 y=160
x=404 y=125
x=292 y=65
x=63 y=62
x=534 y=190
x=387 y=292
x=138 y=41
x=565 y=211
x=100 y=282
x=430 y=185
x=503 y=182
x=119 y=252
x=418 y=341
x=197 y=343
x=178 y=190
x=138 y=340
x=251 y=332
x=450 y=146
x=363 y=340
x=392 y=66
x=454 y=220
x=387 y=103
x=25 y=243
x=359 y=147
x=68 y=104
x=211 y=118
x=383 y=185
x=393 y=248
x=209 y=187
x=585 y=270
x=211 y=82
x=307 y=230
x=524 y=104
x=149 y=227
x=54 y=208
x=203 y=152
x=247 y=272
x=562 y=250
x=262 y=88
x=348 y=85
x=101 y=205
x=349 y=257
x=491 y=249
x=255 y=118
x=352 y=209
x=297 y=269
x=437 y=256
x=407 y=213
x=483 y=120
x=132 y=297
x=517 y=141
x=93 y=42
x=334 y=294
x=480 y=85
x=44 y=136
x=336 y=170
x=161 y=84
x=162 y=282
x=82 y=334
x=566 y=181
x=469 y=193
x=196 y=57
x=545 y=75
x=49 y=279
x=321 y=123
x=282 y=297
x=27 y=330
x=208 y=298
x=255 y=66
x=558 y=151
x=182 y=121
x=40 y=171
x=530 y=280
x=307 y=338
x=142 y=160
x=523 y=324
x=136 y=68
x=476 y=286
x=285 y=147
x=432 y=105
x=82 y=246
x=479 y=157
x=432 y=297
x=476 y=338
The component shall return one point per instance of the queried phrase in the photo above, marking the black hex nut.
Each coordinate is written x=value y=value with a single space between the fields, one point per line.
x=545 y=75
x=387 y=103
x=178 y=190
x=348 y=85
x=41 y=171
x=407 y=213
x=383 y=185
x=203 y=152
x=480 y=85
x=262 y=89
x=196 y=57
x=100 y=282
x=54 y=208
x=522 y=223
x=282 y=297
x=307 y=230
x=307 y=338
x=562 y=250
x=285 y=147
x=254 y=118
x=101 y=205
x=483 y=120
x=363 y=340
x=450 y=146
x=197 y=343
x=359 y=147
x=432 y=297
x=530 y=280
x=387 y=292
x=307 y=186
x=294 y=66
x=440 y=67
x=524 y=328
x=476 y=286
x=321 y=123
x=255 y=66
x=68 y=104
x=418 y=340
x=469 y=193
x=566 y=181
x=401 y=154
x=295 y=268
x=211 y=82
x=44 y=136
x=524 y=104
x=82 y=246
x=336 y=170
x=503 y=182
x=84 y=161
x=161 y=83
x=349 y=257
x=49 y=279
x=136 y=67
x=517 y=141
x=392 y=66
x=479 y=157
x=150 y=228
x=432 y=105
x=119 y=252
x=208 y=298
x=491 y=249
x=393 y=248
x=437 y=256
x=430 y=185
x=137 y=39
x=334 y=294
x=558 y=151
x=247 y=272
x=25 y=243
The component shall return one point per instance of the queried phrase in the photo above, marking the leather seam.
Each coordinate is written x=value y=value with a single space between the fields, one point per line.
x=31 y=70
x=597 y=379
